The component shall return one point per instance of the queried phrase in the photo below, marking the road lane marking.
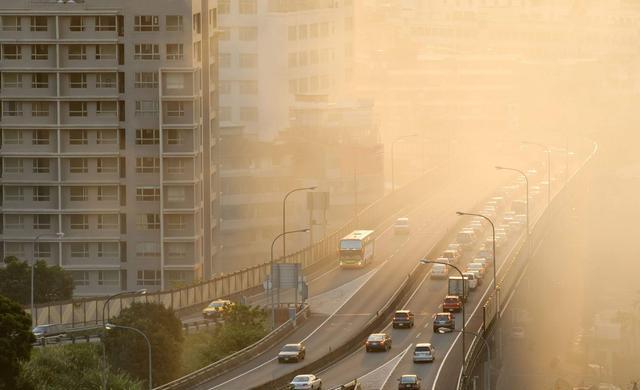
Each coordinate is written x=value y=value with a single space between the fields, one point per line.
x=324 y=274
x=418 y=335
x=377 y=378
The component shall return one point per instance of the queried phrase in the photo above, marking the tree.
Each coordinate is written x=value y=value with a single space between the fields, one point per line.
x=71 y=366
x=127 y=350
x=15 y=341
x=52 y=283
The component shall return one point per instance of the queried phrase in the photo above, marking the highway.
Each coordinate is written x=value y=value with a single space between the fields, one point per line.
x=395 y=257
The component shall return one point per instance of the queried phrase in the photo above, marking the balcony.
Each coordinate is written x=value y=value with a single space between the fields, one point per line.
x=179 y=170
x=86 y=170
x=29 y=142
x=180 y=141
x=82 y=28
x=31 y=198
x=29 y=85
x=89 y=85
x=89 y=142
x=90 y=198
x=180 y=226
x=88 y=56
x=180 y=253
x=82 y=113
x=91 y=254
x=177 y=197
x=23 y=60
x=177 y=84
x=25 y=170
x=25 y=114
x=21 y=226
x=87 y=226
x=178 y=113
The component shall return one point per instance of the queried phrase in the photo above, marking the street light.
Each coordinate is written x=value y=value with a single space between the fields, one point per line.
x=59 y=236
x=284 y=215
x=478 y=336
x=393 y=167
x=493 y=229
x=464 y=287
x=548 y=151
x=273 y=308
x=526 y=179
x=113 y=326
x=104 y=324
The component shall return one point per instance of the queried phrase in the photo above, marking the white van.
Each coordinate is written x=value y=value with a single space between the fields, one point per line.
x=439 y=271
x=401 y=226
x=470 y=277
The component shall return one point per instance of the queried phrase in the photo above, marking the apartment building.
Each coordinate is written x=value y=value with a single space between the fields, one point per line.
x=109 y=135
x=270 y=51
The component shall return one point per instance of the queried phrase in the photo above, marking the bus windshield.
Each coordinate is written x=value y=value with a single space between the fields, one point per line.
x=350 y=245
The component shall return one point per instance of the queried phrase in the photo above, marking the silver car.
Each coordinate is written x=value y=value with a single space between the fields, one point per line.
x=306 y=382
x=423 y=352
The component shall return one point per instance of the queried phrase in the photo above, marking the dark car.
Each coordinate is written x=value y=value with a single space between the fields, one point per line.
x=291 y=353
x=444 y=320
x=409 y=382
x=49 y=330
x=378 y=342
x=403 y=319
x=452 y=303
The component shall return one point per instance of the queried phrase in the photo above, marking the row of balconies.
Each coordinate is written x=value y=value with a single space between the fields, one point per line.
x=41 y=27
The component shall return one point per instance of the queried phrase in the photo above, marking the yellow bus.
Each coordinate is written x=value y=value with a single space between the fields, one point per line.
x=356 y=249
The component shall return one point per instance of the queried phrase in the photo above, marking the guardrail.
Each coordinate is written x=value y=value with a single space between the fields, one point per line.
x=89 y=311
x=227 y=363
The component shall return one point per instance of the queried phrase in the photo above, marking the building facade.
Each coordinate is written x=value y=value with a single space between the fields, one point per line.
x=109 y=135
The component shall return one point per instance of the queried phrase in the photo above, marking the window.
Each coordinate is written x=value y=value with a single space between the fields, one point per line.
x=248 y=87
x=148 y=221
x=41 y=165
x=106 y=137
x=174 y=137
x=302 y=31
x=248 y=113
x=175 y=166
x=41 y=222
x=79 y=221
x=224 y=7
x=107 y=193
x=224 y=59
x=174 y=22
x=40 y=109
x=40 y=80
x=108 y=221
x=176 y=222
x=175 y=51
x=147 y=165
x=80 y=249
x=248 y=60
x=176 y=194
x=177 y=250
x=105 y=80
x=196 y=23
x=148 y=193
x=146 y=107
x=12 y=137
x=40 y=137
x=293 y=60
x=77 y=52
x=80 y=278
x=77 y=108
x=175 y=81
x=324 y=29
x=39 y=52
x=248 y=7
x=225 y=113
x=107 y=108
x=14 y=222
x=108 y=249
x=108 y=278
x=43 y=250
x=11 y=52
x=146 y=23
x=313 y=30
x=292 y=33
x=224 y=34
x=105 y=52
x=12 y=109
x=105 y=23
x=79 y=194
x=13 y=165
x=147 y=249
x=41 y=194
x=78 y=137
x=11 y=23
x=107 y=165
x=224 y=87
x=148 y=278
x=78 y=80
x=13 y=193
x=12 y=80
x=14 y=249
x=76 y=23
x=39 y=23
x=248 y=33
x=302 y=58
x=147 y=51
x=147 y=136
x=146 y=80
x=175 y=109
x=78 y=165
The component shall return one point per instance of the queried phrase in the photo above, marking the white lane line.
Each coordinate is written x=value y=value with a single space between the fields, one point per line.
x=324 y=274
x=418 y=335
x=396 y=365
x=377 y=378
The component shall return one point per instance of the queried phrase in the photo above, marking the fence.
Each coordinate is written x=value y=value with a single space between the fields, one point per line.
x=88 y=311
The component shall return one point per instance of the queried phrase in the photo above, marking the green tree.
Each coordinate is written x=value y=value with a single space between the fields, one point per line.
x=15 y=341
x=71 y=366
x=127 y=350
x=52 y=283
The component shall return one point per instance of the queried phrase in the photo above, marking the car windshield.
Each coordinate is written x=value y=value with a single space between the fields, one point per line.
x=423 y=349
x=350 y=244
x=376 y=337
x=216 y=304
x=301 y=379
x=402 y=222
x=290 y=348
x=40 y=329
x=401 y=315
x=408 y=379
x=442 y=317
x=451 y=300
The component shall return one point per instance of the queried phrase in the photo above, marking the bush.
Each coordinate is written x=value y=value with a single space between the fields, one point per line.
x=15 y=341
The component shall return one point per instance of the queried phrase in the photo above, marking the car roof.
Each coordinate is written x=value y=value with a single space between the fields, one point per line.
x=293 y=345
x=377 y=334
x=409 y=376
x=423 y=345
x=403 y=311
x=452 y=296
x=402 y=219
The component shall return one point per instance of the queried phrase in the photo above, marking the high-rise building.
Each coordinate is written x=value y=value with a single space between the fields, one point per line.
x=270 y=51
x=109 y=135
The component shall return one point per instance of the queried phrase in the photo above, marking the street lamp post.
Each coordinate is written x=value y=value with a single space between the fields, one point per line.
x=59 y=235
x=526 y=180
x=479 y=337
x=393 y=165
x=273 y=308
x=464 y=287
x=493 y=229
x=104 y=323
x=284 y=215
x=113 y=326
x=548 y=151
